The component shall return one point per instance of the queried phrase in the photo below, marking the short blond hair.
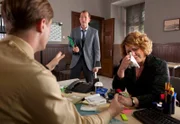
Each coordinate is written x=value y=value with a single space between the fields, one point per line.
x=137 y=39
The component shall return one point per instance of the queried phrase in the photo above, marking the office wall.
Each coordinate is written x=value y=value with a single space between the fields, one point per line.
x=63 y=9
x=119 y=15
x=156 y=11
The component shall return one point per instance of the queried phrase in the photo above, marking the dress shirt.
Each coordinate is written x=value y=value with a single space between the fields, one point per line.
x=85 y=31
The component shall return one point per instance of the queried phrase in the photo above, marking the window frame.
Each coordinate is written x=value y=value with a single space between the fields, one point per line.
x=139 y=10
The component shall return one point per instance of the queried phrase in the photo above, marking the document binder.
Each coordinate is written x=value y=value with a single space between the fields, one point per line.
x=71 y=41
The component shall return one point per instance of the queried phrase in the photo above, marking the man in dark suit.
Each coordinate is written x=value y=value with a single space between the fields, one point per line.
x=86 y=51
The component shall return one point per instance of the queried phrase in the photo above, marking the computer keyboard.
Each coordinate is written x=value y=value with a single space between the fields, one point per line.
x=152 y=116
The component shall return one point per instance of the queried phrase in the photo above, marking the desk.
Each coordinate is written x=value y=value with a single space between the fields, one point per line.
x=173 y=66
x=131 y=119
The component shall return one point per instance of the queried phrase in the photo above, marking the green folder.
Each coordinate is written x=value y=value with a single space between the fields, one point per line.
x=71 y=41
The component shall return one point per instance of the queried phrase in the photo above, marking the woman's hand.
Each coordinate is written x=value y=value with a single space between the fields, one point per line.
x=124 y=65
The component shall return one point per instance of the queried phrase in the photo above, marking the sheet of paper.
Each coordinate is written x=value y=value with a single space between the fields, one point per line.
x=88 y=108
x=95 y=99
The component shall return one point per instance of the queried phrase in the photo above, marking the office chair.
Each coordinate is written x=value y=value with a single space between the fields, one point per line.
x=175 y=81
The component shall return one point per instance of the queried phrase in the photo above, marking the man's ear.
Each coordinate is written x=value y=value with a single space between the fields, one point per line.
x=40 y=25
x=89 y=19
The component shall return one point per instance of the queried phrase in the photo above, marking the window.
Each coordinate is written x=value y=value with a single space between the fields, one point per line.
x=135 y=16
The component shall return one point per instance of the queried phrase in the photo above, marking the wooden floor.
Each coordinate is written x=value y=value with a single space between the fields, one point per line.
x=107 y=82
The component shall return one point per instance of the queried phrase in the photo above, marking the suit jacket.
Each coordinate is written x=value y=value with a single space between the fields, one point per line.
x=91 y=49
x=30 y=94
x=149 y=85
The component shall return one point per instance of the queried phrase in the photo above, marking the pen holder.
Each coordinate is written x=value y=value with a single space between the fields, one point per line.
x=169 y=105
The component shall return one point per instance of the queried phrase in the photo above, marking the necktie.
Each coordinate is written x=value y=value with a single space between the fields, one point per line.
x=83 y=37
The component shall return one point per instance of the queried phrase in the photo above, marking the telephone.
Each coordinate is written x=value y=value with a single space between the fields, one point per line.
x=80 y=86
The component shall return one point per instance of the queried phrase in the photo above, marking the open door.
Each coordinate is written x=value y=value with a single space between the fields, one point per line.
x=107 y=48
x=75 y=20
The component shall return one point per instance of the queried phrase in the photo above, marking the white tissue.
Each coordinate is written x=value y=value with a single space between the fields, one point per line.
x=133 y=61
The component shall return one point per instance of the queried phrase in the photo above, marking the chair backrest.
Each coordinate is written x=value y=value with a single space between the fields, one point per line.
x=175 y=81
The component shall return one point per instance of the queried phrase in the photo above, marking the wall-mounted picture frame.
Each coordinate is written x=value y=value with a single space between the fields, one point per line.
x=172 y=25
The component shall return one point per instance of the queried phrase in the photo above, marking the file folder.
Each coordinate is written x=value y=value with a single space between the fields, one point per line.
x=71 y=41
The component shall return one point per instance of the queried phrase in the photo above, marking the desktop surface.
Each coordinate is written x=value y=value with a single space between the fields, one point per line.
x=129 y=114
x=83 y=113
x=133 y=120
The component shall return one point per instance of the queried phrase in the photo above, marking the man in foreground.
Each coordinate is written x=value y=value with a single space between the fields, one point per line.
x=29 y=93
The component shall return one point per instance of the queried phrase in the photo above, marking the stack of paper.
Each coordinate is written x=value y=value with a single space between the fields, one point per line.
x=95 y=99
x=88 y=108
